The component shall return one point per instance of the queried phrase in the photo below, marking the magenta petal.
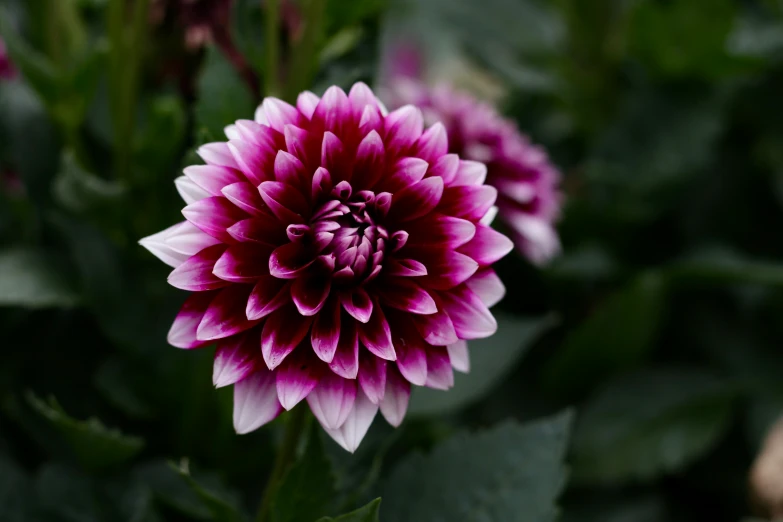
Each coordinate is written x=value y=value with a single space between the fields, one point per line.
x=296 y=378
x=332 y=400
x=322 y=183
x=217 y=154
x=284 y=201
x=372 y=376
x=212 y=178
x=255 y=401
x=333 y=110
x=325 y=334
x=448 y=269
x=269 y=294
x=445 y=231
x=290 y=170
x=487 y=246
x=333 y=157
x=310 y=291
x=283 y=330
x=235 y=359
x=189 y=240
x=257 y=230
x=403 y=128
x=411 y=354
x=226 y=314
x=358 y=304
x=369 y=167
x=446 y=167
x=404 y=268
x=416 y=200
x=195 y=274
x=433 y=143
x=459 y=357
x=470 y=173
x=468 y=202
x=437 y=329
x=250 y=159
x=290 y=260
x=405 y=172
x=376 y=335
x=439 y=373
x=472 y=319
x=214 y=215
x=404 y=294
x=183 y=331
x=245 y=196
x=360 y=96
x=306 y=102
x=277 y=114
x=346 y=359
x=371 y=120
x=303 y=147
x=487 y=286
x=243 y=263
x=189 y=191
x=395 y=400
x=355 y=427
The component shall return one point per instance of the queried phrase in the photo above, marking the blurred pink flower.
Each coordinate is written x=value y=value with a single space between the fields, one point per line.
x=337 y=253
x=7 y=69
x=527 y=182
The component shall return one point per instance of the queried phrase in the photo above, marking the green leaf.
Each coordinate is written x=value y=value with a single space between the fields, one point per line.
x=222 y=96
x=165 y=482
x=618 y=335
x=247 y=30
x=81 y=191
x=67 y=495
x=122 y=384
x=368 y=513
x=509 y=473
x=718 y=265
x=308 y=488
x=33 y=279
x=222 y=505
x=646 y=424
x=93 y=445
x=491 y=361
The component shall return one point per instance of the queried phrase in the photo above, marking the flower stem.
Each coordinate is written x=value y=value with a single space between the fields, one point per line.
x=295 y=427
x=272 y=37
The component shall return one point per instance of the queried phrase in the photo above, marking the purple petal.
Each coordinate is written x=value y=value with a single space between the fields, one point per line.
x=252 y=159
x=404 y=294
x=183 y=331
x=411 y=351
x=395 y=400
x=405 y=172
x=211 y=178
x=189 y=191
x=332 y=400
x=245 y=196
x=346 y=358
x=296 y=378
x=226 y=314
x=440 y=376
x=322 y=184
x=333 y=157
x=214 y=215
x=283 y=331
x=404 y=268
x=437 y=329
x=304 y=147
x=325 y=334
x=217 y=154
x=487 y=246
x=195 y=274
x=371 y=120
x=370 y=158
x=468 y=202
x=372 y=376
x=310 y=291
x=403 y=128
x=269 y=294
x=284 y=201
x=235 y=359
x=433 y=143
x=289 y=170
x=360 y=96
x=445 y=231
x=415 y=201
x=446 y=167
x=447 y=269
x=290 y=260
x=333 y=110
x=459 y=357
x=255 y=401
x=277 y=114
x=355 y=427
x=358 y=304
x=470 y=173
x=177 y=243
x=243 y=263
x=306 y=102
x=472 y=319
x=257 y=230
x=376 y=335
x=487 y=286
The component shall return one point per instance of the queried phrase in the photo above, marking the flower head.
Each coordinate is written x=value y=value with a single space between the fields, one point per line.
x=7 y=69
x=336 y=253
x=527 y=182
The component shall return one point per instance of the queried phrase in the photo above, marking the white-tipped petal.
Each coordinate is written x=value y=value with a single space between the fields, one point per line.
x=255 y=401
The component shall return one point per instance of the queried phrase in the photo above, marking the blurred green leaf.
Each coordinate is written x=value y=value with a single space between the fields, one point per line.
x=93 y=445
x=650 y=423
x=618 y=335
x=491 y=361
x=34 y=279
x=16 y=494
x=720 y=265
x=222 y=505
x=627 y=508
x=81 y=191
x=368 y=513
x=138 y=505
x=168 y=487
x=247 y=30
x=307 y=490
x=121 y=384
x=222 y=96
x=588 y=263
x=159 y=142
x=509 y=473
x=67 y=495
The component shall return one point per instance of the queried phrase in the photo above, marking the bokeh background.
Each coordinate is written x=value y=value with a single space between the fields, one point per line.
x=660 y=326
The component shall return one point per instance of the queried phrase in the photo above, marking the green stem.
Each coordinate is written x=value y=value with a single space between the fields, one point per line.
x=297 y=420
x=304 y=58
x=272 y=44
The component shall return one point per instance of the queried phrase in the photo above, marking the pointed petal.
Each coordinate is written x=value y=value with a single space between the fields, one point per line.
x=417 y=200
x=189 y=191
x=333 y=111
x=214 y=215
x=472 y=319
x=487 y=286
x=355 y=427
x=189 y=240
x=395 y=400
x=306 y=102
x=325 y=334
x=487 y=246
x=332 y=400
x=360 y=96
x=411 y=351
x=290 y=260
x=268 y=295
x=346 y=358
x=437 y=329
x=370 y=158
x=404 y=294
x=226 y=314
x=404 y=268
x=290 y=170
x=283 y=330
x=296 y=377
x=284 y=201
x=402 y=128
x=404 y=173
x=436 y=229
x=372 y=376
x=211 y=178
x=235 y=358
x=195 y=274
x=310 y=291
x=447 y=269
x=217 y=154
x=257 y=230
x=468 y=202
x=445 y=167
x=243 y=263
x=158 y=245
x=358 y=304
x=245 y=196
x=376 y=335
x=433 y=143
x=459 y=357
x=277 y=114
x=255 y=401
x=470 y=173
x=183 y=331
x=440 y=376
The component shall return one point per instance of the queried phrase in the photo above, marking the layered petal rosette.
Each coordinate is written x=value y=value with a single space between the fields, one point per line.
x=337 y=254
x=527 y=182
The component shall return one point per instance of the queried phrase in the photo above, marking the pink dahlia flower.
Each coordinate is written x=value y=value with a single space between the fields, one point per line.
x=336 y=253
x=527 y=182
x=7 y=70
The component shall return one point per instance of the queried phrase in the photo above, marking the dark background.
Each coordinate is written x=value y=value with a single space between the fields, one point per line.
x=660 y=324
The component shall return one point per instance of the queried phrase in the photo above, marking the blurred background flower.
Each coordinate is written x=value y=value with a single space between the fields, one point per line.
x=7 y=70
